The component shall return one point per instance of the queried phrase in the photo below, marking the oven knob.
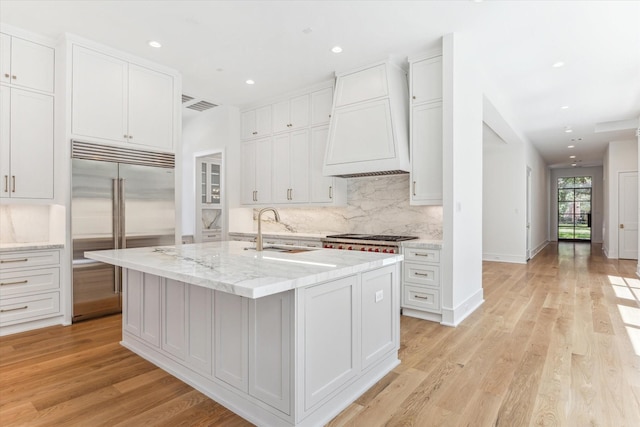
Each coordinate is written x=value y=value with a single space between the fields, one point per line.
x=325 y=246
x=362 y=249
x=377 y=250
x=392 y=251
x=384 y=251
x=350 y=248
x=340 y=247
x=370 y=249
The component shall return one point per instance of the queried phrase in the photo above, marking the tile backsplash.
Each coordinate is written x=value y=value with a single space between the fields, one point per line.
x=32 y=223
x=377 y=205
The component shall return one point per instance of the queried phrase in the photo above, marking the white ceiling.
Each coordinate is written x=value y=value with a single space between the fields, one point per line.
x=217 y=45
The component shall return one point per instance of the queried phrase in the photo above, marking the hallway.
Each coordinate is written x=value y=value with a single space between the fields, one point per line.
x=557 y=342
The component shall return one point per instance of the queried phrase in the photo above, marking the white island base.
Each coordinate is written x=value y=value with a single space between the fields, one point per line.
x=294 y=358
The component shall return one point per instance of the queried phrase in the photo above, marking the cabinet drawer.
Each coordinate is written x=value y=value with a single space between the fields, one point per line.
x=421 y=298
x=310 y=243
x=421 y=255
x=211 y=236
x=422 y=274
x=14 y=310
x=28 y=259
x=13 y=283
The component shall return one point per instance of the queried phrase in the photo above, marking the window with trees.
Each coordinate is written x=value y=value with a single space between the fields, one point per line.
x=574 y=208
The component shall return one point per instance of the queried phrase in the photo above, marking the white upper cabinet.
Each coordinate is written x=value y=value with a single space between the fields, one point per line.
x=426 y=80
x=291 y=114
x=117 y=101
x=256 y=123
x=323 y=189
x=256 y=172
x=26 y=64
x=321 y=101
x=291 y=167
x=26 y=167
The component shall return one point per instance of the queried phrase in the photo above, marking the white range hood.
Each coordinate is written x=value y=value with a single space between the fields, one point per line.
x=369 y=130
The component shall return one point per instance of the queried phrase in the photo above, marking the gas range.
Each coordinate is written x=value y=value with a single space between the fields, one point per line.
x=365 y=242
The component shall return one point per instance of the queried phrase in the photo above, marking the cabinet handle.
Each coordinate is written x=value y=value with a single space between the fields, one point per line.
x=414 y=188
x=419 y=297
x=14 y=77
x=6 y=183
x=130 y=136
x=291 y=194
x=414 y=97
x=7 y=261
x=22 y=282
x=331 y=192
x=126 y=136
x=254 y=133
x=329 y=115
x=4 y=310
x=13 y=183
x=421 y=274
x=7 y=75
x=419 y=254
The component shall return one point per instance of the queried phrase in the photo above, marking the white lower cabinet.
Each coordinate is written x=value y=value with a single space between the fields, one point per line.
x=379 y=335
x=231 y=317
x=421 y=284
x=174 y=318
x=199 y=305
x=141 y=314
x=29 y=290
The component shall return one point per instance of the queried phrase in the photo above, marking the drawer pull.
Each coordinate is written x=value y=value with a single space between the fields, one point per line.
x=4 y=310
x=6 y=261
x=419 y=254
x=421 y=274
x=419 y=297
x=22 y=282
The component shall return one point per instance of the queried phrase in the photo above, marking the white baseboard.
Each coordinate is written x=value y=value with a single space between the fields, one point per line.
x=514 y=259
x=454 y=316
x=539 y=248
x=29 y=326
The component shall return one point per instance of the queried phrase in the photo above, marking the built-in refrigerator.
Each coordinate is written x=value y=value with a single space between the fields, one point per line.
x=121 y=198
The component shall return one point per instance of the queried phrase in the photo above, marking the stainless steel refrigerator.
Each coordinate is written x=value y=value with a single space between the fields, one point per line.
x=121 y=198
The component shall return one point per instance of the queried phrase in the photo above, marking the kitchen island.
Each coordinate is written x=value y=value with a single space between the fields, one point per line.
x=281 y=337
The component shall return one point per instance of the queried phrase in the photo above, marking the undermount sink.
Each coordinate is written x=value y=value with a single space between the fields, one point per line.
x=283 y=249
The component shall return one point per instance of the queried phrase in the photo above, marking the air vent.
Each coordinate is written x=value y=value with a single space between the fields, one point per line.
x=201 y=106
x=186 y=98
x=382 y=173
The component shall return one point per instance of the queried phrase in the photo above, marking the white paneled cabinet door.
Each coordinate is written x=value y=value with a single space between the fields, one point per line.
x=426 y=80
x=26 y=64
x=321 y=187
x=299 y=112
x=256 y=123
x=248 y=124
x=321 y=102
x=150 y=108
x=299 y=167
x=248 y=169
x=200 y=334
x=5 y=140
x=379 y=327
x=280 y=170
x=426 y=154
x=31 y=139
x=99 y=93
x=263 y=170
x=270 y=332
x=281 y=116
x=231 y=326
x=174 y=339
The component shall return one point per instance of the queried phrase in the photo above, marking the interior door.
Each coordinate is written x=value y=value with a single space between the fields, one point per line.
x=628 y=215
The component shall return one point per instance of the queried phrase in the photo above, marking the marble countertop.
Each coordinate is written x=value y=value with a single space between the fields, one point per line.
x=228 y=267
x=283 y=234
x=422 y=244
x=32 y=246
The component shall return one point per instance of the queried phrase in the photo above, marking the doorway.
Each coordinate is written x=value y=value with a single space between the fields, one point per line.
x=574 y=208
x=628 y=215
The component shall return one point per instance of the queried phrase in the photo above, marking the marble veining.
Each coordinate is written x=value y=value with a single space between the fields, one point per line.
x=228 y=267
x=376 y=205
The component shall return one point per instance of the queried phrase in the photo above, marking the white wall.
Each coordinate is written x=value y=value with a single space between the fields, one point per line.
x=597 y=199
x=462 y=168
x=621 y=156
x=539 y=202
x=217 y=129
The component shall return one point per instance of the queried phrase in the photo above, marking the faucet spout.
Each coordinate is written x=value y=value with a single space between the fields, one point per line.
x=259 y=237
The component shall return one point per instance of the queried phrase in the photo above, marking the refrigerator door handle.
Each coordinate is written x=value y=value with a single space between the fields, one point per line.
x=116 y=228
x=122 y=231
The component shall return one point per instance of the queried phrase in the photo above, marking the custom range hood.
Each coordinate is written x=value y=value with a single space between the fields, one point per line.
x=369 y=129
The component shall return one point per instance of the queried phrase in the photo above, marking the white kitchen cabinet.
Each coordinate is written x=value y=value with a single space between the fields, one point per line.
x=323 y=189
x=26 y=167
x=290 y=168
x=291 y=114
x=426 y=130
x=26 y=64
x=231 y=329
x=379 y=334
x=199 y=328
x=421 y=282
x=141 y=314
x=256 y=123
x=174 y=318
x=321 y=102
x=117 y=101
x=29 y=290
x=256 y=171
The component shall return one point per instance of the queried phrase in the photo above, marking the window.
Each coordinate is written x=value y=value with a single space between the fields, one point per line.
x=574 y=208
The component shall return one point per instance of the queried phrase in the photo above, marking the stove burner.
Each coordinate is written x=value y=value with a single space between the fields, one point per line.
x=376 y=237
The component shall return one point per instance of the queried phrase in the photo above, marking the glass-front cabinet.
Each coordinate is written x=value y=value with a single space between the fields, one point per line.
x=209 y=212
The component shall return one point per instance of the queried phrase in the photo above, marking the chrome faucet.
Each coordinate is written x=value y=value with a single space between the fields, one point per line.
x=259 y=237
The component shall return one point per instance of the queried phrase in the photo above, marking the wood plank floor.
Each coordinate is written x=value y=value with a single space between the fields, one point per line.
x=556 y=343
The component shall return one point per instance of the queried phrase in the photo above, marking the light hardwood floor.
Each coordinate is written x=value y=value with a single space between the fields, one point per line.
x=552 y=345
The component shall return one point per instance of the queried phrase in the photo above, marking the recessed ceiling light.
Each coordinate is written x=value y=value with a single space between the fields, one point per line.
x=307 y=30
x=154 y=43
x=558 y=64
x=571 y=146
x=568 y=130
x=572 y=157
x=564 y=107
x=250 y=82
x=336 y=49
x=573 y=164
x=219 y=69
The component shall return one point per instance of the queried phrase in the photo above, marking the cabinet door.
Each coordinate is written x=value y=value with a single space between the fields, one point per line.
x=379 y=328
x=248 y=178
x=281 y=116
x=263 y=121
x=321 y=187
x=32 y=65
x=99 y=93
x=299 y=112
x=151 y=104
x=426 y=154
x=299 y=166
x=426 y=80
x=231 y=325
x=199 y=336
x=174 y=338
x=31 y=146
x=321 y=102
x=5 y=58
x=281 y=167
x=263 y=170
x=270 y=332
x=5 y=141
x=248 y=124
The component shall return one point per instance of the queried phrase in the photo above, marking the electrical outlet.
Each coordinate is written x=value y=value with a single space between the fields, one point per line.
x=379 y=295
